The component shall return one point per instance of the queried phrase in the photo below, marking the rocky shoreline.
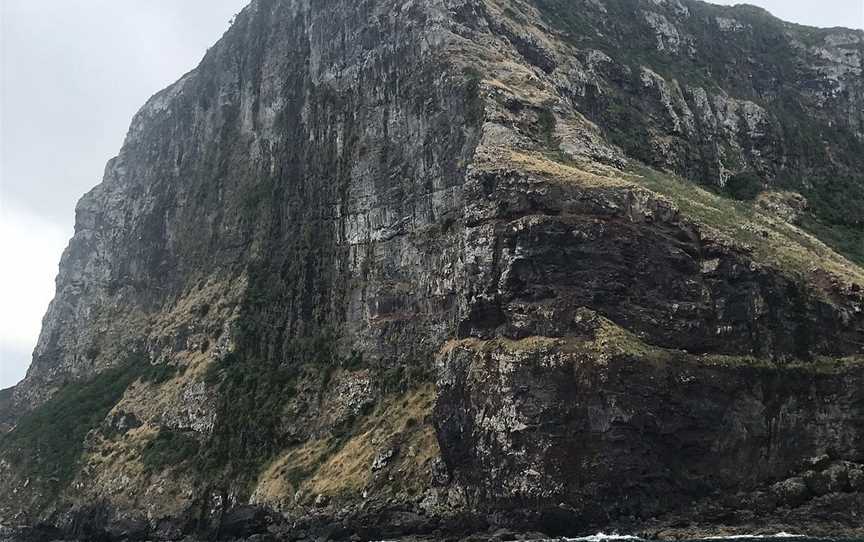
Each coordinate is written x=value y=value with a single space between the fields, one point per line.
x=255 y=524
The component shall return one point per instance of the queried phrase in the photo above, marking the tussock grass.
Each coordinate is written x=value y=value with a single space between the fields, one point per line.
x=342 y=465
x=608 y=341
x=559 y=171
x=771 y=240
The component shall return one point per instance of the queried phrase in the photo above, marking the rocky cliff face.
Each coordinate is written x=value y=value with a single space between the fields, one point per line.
x=396 y=267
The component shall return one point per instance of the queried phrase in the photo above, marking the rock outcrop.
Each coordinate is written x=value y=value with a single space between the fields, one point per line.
x=434 y=267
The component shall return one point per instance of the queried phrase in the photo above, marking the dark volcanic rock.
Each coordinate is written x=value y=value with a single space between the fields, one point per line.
x=653 y=432
x=244 y=521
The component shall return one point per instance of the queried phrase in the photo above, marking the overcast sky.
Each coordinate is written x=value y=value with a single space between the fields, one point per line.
x=826 y=13
x=73 y=74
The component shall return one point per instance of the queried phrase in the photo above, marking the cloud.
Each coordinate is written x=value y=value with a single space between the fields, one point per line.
x=31 y=247
x=13 y=366
x=847 y=13
x=72 y=74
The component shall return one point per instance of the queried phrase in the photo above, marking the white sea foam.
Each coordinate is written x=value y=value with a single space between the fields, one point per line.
x=752 y=536
x=603 y=537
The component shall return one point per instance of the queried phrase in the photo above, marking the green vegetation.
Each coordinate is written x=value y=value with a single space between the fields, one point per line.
x=744 y=186
x=546 y=123
x=837 y=200
x=158 y=373
x=169 y=448
x=254 y=393
x=826 y=166
x=846 y=240
x=632 y=42
x=47 y=443
x=284 y=334
x=473 y=99
x=609 y=340
x=773 y=242
x=252 y=397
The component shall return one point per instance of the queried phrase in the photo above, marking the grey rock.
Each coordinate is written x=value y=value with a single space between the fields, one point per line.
x=791 y=492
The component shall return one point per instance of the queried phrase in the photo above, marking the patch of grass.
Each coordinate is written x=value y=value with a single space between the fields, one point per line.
x=787 y=248
x=169 y=449
x=847 y=240
x=253 y=394
x=297 y=465
x=553 y=168
x=772 y=241
x=607 y=341
x=47 y=443
x=283 y=335
x=611 y=339
x=342 y=465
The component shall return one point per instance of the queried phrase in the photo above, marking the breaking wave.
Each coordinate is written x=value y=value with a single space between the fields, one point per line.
x=754 y=536
x=603 y=537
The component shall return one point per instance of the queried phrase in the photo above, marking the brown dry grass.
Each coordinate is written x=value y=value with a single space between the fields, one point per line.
x=337 y=466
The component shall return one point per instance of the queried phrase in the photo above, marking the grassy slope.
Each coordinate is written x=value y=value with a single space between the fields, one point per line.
x=771 y=241
x=47 y=443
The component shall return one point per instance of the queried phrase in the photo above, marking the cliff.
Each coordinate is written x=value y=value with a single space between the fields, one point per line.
x=434 y=267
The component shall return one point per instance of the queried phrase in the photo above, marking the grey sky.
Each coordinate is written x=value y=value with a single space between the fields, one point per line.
x=826 y=13
x=73 y=74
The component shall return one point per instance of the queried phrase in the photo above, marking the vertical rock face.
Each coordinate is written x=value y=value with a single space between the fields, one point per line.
x=392 y=267
x=298 y=137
